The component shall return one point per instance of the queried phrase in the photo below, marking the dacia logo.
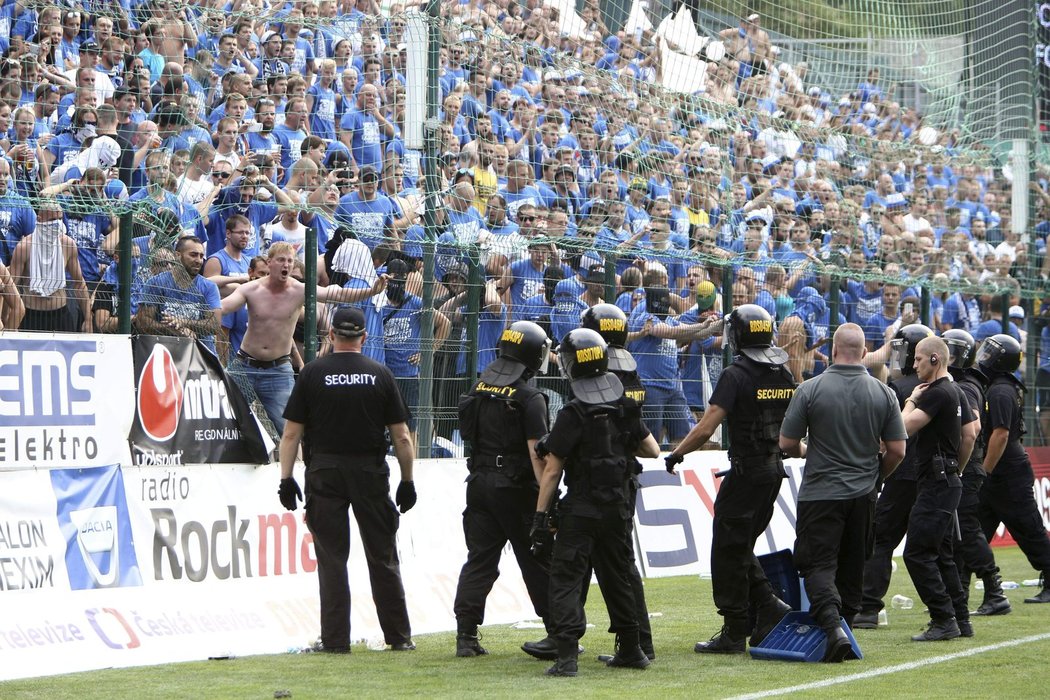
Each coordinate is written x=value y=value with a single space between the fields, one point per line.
x=611 y=324
x=761 y=326
x=510 y=336
x=589 y=354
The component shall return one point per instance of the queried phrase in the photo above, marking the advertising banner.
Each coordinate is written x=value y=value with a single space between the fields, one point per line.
x=675 y=512
x=64 y=400
x=108 y=568
x=187 y=410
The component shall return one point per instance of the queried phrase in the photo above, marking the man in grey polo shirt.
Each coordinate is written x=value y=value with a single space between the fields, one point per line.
x=849 y=416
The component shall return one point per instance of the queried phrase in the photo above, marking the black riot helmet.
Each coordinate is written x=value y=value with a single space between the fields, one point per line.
x=523 y=346
x=902 y=347
x=1000 y=354
x=961 y=348
x=610 y=322
x=584 y=358
x=750 y=331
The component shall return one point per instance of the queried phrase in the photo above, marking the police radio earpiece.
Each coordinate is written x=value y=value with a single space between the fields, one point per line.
x=933 y=359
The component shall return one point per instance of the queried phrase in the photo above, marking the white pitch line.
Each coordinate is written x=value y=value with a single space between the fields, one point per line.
x=911 y=665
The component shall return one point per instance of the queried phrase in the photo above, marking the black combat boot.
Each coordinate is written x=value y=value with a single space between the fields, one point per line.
x=468 y=644
x=628 y=653
x=731 y=639
x=838 y=646
x=1044 y=595
x=866 y=620
x=995 y=602
x=768 y=616
x=606 y=658
x=939 y=631
x=566 y=665
x=546 y=649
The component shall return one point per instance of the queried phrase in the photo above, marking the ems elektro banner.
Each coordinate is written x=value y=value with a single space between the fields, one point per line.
x=65 y=400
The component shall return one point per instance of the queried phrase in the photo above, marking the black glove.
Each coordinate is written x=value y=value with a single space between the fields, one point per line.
x=541 y=447
x=405 y=497
x=541 y=537
x=671 y=461
x=289 y=493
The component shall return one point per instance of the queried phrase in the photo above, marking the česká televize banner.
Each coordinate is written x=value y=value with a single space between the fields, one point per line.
x=65 y=400
x=187 y=409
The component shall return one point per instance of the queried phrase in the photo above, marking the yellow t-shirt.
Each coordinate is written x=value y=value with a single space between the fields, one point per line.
x=698 y=218
x=485 y=185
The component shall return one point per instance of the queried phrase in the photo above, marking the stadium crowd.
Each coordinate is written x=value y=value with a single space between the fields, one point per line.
x=243 y=123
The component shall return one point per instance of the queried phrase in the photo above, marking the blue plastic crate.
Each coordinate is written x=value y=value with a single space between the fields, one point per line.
x=799 y=638
x=779 y=568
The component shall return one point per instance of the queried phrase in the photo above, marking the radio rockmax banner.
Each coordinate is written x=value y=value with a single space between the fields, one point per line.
x=187 y=410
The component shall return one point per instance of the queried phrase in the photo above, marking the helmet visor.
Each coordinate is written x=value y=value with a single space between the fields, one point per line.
x=989 y=353
x=959 y=352
x=546 y=358
x=899 y=355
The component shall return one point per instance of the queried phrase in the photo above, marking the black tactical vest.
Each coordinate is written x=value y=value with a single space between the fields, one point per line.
x=1014 y=452
x=754 y=425
x=632 y=386
x=491 y=421
x=600 y=467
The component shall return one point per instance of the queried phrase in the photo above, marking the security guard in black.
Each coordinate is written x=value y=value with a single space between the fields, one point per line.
x=501 y=418
x=340 y=409
x=753 y=394
x=937 y=420
x=1007 y=496
x=592 y=440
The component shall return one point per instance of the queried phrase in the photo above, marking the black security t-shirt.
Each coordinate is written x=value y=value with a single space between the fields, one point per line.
x=949 y=410
x=1004 y=401
x=346 y=400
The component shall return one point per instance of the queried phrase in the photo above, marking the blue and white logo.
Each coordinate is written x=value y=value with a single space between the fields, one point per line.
x=47 y=383
x=93 y=517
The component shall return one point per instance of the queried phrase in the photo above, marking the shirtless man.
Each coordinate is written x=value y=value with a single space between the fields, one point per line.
x=43 y=283
x=274 y=302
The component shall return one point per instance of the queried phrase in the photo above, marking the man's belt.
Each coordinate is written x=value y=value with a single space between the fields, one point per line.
x=497 y=462
x=262 y=364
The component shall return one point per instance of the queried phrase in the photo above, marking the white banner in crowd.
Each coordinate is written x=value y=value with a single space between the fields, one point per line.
x=681 y=73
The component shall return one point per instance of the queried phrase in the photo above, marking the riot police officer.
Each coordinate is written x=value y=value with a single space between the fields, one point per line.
x=898 y=491
x=753 y=393
x=592 y=441
x=1007 y=496
x=610 y=322
x=501 y=418
x=972 y=553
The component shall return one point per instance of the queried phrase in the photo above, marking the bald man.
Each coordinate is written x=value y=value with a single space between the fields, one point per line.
x=848 y=414
x=939 y=417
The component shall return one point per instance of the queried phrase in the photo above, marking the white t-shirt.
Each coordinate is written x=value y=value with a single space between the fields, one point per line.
x=192 y=192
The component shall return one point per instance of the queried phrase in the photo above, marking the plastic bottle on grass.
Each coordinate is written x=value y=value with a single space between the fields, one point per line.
x=902 y=602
